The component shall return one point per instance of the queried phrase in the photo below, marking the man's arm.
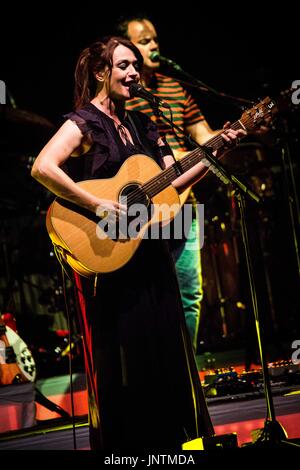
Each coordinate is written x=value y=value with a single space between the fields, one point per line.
x=194 y=174
x=201 y=131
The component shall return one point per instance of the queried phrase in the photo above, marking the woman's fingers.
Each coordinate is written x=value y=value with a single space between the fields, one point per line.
x=111 y=209
x=226 y=125
x=231 y=136
x=121 y=208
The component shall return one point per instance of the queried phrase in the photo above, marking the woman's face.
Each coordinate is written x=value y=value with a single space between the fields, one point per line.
x=125 y=70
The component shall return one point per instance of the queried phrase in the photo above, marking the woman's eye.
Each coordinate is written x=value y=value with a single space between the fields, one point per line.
x=125 y=65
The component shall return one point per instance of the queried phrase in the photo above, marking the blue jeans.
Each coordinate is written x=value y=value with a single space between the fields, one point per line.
x=188 y=268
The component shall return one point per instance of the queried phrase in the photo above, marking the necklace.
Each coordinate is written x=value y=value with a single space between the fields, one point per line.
x=123 y=132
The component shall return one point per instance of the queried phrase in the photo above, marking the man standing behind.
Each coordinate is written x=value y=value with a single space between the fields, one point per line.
x=187 y=115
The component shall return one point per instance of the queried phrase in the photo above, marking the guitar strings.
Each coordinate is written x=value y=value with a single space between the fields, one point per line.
x=168 y=173
x=187 y=162
x=192 y=157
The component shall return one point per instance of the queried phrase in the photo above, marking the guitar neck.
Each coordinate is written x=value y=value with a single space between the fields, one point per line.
x=167 y=176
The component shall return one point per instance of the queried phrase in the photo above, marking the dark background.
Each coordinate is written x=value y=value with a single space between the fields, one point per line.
x=242 y=50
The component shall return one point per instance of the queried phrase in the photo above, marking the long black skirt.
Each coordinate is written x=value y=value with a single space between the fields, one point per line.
x=143 y=387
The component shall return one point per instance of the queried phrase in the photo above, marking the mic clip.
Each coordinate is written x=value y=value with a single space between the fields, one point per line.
x=156 y=57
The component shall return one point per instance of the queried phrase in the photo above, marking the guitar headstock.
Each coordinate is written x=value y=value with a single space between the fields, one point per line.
x=260 y=113
x=265 y=110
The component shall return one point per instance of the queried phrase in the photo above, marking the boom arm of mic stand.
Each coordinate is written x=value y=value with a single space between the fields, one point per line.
x=227 y=177
x=196 y=83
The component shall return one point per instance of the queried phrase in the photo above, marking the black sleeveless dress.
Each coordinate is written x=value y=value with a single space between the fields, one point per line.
x=143 y=387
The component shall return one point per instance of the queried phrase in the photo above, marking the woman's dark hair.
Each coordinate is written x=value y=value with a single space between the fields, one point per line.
x=94 y=59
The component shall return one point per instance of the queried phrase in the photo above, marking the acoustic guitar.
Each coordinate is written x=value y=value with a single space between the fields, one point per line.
x=80 y=237
x=183 y=196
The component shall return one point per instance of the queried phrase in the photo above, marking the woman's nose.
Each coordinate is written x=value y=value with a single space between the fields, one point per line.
x=132 y=70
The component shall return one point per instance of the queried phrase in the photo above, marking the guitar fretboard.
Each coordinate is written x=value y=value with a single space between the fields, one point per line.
x=165 y=178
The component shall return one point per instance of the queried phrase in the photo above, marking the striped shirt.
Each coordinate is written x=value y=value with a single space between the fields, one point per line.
x=184 y=109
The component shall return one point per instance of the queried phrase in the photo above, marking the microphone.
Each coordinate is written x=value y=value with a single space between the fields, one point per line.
x=135 y=89
x=156 y=57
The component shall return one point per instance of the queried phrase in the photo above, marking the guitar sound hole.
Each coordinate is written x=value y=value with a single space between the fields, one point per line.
x=133 y=194
x=139 y=208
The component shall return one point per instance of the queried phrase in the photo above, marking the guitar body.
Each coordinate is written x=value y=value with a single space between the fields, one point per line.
x=184 y=195
x=20 y=367
x=179 y=154
x=79 y=235
x=86 y=247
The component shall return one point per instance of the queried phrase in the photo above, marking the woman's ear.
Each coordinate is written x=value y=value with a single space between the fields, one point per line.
x=99 y=76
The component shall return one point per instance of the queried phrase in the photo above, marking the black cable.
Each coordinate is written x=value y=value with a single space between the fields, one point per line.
x=44 y=401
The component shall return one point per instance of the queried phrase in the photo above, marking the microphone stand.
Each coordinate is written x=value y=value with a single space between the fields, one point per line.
x=198 y=84
x=273 y=434
x=216 y=166
x=291 y=189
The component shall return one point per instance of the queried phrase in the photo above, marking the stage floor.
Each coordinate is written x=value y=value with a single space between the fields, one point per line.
x=230 y=414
